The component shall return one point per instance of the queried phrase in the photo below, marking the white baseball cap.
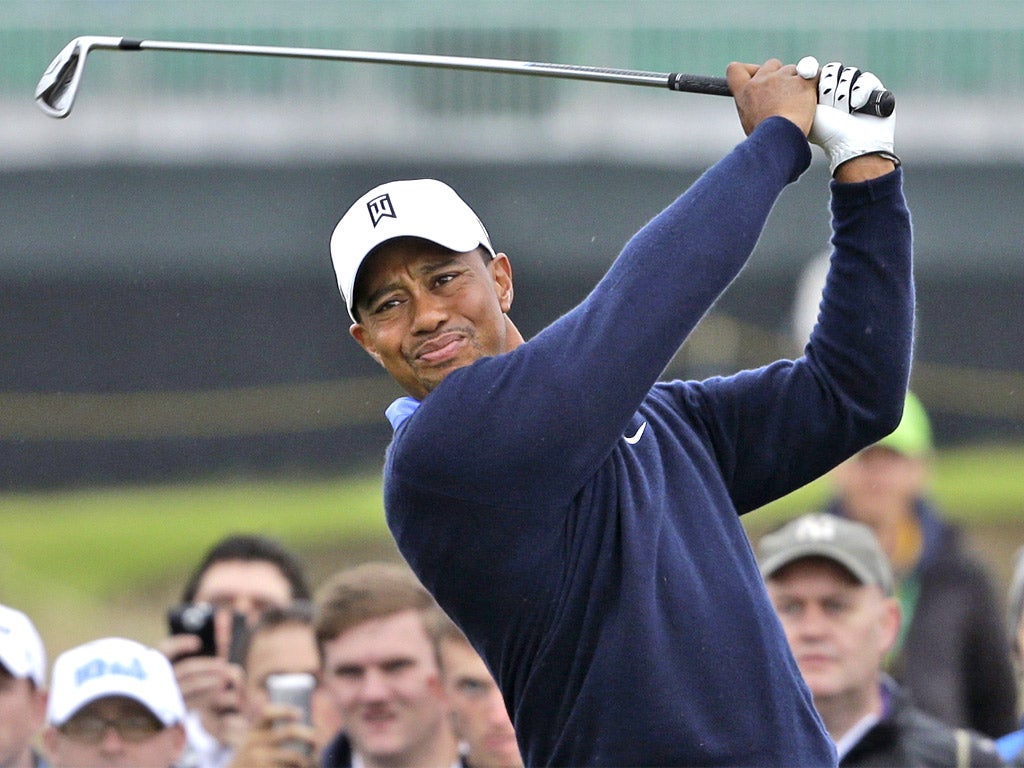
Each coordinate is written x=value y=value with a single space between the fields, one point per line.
x=424 y=208
x=21 y=647
x=114 y=666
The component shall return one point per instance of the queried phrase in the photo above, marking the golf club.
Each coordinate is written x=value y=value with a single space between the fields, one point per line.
x=55 y=93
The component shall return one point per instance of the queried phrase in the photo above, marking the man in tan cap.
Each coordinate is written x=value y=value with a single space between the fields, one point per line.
x=478 y=711
x=832 y=588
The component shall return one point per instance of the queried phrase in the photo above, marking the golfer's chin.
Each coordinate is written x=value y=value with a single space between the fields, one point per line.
x=427 y=376
x=428 y=380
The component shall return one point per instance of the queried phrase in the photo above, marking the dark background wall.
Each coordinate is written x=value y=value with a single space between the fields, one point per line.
x=163 y=321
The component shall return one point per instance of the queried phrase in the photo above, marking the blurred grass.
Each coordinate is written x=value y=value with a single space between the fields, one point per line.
x=94 y=562
x=109 y=561
x=100 y=540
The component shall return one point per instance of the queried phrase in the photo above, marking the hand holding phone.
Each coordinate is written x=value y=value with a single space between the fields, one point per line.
x=195 y=619
x=295 y=689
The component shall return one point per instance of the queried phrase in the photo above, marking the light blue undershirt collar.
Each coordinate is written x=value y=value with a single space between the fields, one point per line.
x=400 y=410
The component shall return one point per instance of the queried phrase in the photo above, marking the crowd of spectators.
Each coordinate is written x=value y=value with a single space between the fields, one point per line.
x=894 y=625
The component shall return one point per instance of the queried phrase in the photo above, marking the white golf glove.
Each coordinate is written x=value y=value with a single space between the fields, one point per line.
x=837 y=129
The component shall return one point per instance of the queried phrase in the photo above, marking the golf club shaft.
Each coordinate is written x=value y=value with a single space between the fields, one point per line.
x=56 y=90
x=714 y=86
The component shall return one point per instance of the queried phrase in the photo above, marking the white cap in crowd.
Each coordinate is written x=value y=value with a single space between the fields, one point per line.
x=114 y=666
x=21 y=647
x=424 y=208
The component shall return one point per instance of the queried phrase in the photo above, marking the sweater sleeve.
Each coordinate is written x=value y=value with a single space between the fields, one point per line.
x=779 y=427
x=554 y=408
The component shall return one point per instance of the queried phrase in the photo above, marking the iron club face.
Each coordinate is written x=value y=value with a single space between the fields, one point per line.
x=57 y=88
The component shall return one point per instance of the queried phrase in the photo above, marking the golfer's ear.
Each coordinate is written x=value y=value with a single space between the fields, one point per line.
x=358 y=333
x=501 y=269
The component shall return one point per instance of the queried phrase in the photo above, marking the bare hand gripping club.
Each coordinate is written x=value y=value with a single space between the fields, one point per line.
x=55 y=93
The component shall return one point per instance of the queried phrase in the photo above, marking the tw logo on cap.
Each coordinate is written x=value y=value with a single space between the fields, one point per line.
x=379 y=208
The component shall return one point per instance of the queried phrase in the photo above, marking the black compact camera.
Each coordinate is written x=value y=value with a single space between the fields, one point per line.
x=198 y=619
x=195 y=619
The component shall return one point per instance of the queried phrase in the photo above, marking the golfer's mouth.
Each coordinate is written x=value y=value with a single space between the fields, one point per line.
x=441 y=349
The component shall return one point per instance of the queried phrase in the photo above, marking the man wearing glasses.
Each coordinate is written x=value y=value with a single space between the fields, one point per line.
x=113 y=702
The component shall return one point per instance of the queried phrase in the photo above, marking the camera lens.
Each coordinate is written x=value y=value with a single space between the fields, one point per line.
x=193 y=617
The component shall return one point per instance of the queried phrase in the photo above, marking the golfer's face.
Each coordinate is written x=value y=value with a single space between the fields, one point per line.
x=425 y=311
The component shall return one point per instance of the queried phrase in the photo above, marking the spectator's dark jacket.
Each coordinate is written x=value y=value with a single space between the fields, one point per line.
x=955 y=660
x=909 y=738
x=338 y=754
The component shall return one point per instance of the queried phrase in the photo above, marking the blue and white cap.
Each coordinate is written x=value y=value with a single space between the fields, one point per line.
x=114 y=666
x=21 y=648
x=424 y=208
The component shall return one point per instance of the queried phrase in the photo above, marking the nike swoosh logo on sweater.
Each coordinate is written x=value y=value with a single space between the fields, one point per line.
x=636 y=438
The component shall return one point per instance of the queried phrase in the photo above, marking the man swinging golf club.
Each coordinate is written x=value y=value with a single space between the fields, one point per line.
x=580 y=520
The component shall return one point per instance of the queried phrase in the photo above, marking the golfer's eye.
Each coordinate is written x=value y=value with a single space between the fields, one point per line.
x=445 y=278
x=386 y=305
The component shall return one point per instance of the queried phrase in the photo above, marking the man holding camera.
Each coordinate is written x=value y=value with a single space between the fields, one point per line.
x=237 y=581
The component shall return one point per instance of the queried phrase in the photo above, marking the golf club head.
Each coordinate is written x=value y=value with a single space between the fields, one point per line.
x=57 y=88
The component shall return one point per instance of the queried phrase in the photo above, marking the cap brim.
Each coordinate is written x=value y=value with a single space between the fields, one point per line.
x=772 y=565
x=59 y=718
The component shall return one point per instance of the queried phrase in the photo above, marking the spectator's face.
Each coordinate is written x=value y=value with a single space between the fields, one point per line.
x=383 y=676
x=248 y=587
x=114 y=732
x=478 y=711
x=22 y=711
x=284 y=649
x=288 y=648
x=838 y=629
x=877 y=484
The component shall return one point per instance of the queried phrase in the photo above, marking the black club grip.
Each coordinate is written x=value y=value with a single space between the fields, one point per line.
x=879 y=104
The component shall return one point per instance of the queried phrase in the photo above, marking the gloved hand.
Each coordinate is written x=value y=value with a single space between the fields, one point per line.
x=842 y=133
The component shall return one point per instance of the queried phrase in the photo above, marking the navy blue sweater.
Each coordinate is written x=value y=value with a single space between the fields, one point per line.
x=610 y=585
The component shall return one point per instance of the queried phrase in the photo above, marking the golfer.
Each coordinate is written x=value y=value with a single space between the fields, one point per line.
x=577 y=518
